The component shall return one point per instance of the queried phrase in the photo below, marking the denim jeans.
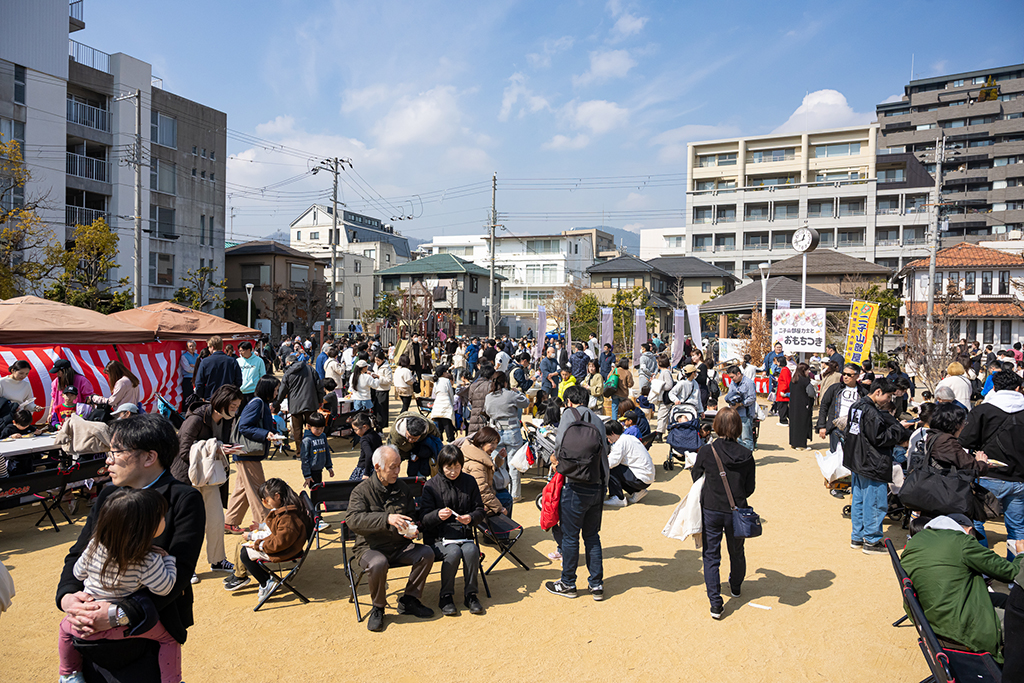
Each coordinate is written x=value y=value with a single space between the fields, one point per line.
x=1011 y=497
x=511 y=441
x=870 y=503
x=580 y=513
x=715 y=525
x=747 y=435
x=362 y=405
x=615 y=407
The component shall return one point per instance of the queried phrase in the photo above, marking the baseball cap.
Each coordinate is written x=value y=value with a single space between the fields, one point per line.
x=961 y=519
x=689 y=369
x=60 y=364
x=70 y=390
x=127 y=408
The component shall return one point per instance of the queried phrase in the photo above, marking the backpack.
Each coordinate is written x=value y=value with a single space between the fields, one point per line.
x=582 y=451
x=611 y=385
x=513 y=381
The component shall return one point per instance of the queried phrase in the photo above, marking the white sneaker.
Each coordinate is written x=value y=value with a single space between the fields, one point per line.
x=323 y=525
x=264 y=591
x=616 y=502
x=195 y=578
x=638 y=496
x=76 y=677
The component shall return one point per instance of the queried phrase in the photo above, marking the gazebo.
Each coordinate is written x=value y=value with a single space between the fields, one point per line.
x=744 y=299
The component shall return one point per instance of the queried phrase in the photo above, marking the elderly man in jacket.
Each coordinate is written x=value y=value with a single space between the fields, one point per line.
x=836 y=403
x=301 y=386
x=871 y=432
x=382 y=512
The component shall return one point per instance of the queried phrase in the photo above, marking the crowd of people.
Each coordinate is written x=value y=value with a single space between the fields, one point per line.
x=130 y=573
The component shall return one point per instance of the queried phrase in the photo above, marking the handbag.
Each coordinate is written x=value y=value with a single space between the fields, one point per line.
x=611 y=385
x=745 y=522
x=248 y=444
x=931 y=490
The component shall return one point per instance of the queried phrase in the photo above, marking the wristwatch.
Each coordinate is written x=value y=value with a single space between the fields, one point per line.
x=117 y=616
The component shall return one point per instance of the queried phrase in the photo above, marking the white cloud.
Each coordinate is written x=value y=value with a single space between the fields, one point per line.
x=627 y=25
x=893 y=98
x=542 y=59
x=673 y=142
x=282 y=125
x=600 y=116
x=824 y=109
x=634 y=200
x=368 y=97
x=633 y=227
x=432 y=117
x=605 y=66
x=562 y=142
x=515 y=90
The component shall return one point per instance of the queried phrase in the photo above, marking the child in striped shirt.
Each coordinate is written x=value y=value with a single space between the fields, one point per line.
x=120 y=560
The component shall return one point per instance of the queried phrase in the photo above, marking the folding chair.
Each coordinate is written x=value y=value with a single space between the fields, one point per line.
x=947 y=665
x=286 y=579
x=165 y=408
x=503 y=532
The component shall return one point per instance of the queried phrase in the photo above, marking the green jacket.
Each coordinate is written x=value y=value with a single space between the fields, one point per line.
x=946 y=567
x=397 y=434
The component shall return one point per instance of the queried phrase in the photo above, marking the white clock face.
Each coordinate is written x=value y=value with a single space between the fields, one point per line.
x=801 y=240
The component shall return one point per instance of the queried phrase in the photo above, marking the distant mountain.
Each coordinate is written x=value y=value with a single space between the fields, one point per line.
x=624 y=239
x=415 y=242
x=282 y=236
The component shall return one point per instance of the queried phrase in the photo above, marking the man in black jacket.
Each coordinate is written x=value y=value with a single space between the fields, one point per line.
x=990 y=429
x=381 y=512
x=141 y=452
x=871 y=432
x=836 y=403
x=301 y=386
x=217 y=370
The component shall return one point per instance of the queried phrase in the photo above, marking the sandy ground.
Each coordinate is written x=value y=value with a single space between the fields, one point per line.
x=829 y=619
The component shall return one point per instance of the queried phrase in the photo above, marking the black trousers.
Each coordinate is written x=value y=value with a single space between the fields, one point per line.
x=254 y=569
x=446 y=427
x=1013 y=636
x=380 y=405
x=622 y=482
x=783 y=412
x=420 y=467
x=406 y=400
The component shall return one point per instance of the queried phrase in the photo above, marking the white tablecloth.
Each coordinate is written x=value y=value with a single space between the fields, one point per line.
x=32 y=444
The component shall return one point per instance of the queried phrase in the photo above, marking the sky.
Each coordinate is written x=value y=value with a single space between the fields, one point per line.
x=582 y=109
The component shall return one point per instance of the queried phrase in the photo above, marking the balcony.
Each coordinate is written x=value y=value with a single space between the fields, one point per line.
x=769 y=157
x=911 y=241
x=887 y=243
x=756 y=246
x=843 y=213
x=850 y=243
x=725 y=247
x=756 y=217
x=88 y=56
x=76 y=16
x=88 y=116
x=88 y=167
x=702 y=247
x=79 y=215
x=887 y=212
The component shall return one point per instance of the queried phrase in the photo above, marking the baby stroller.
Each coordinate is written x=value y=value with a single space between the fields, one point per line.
x=684 y=434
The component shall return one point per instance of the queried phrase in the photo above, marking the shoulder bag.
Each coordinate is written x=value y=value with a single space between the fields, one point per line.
x=237 y=437
x=745 y=522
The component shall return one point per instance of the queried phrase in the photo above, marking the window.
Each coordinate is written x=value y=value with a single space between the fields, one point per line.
x=955 y=123
x=844 y=149
x=472 y=317
x=163 y=130
x=357 y=266
x=708 y=160
x=204 y=152
x=161 y=222
x=726 y=214
x=195 y=152
x=700 y=242
x=675 y=241
x=705 y=287
x=1004 y=282
x=954 y=330
x=357 y=290
x=19 y=84
x=891 y=175
x=851 y=207
x=620 y=282
x=822 y=209
x=953 y=284
x=969 y=282
x=727 y=159
x=213 y=155
x=194 y=172
x=355 y=313
x=986 y=283
x=781 y=240
x=577 y=247
x=390 y=284
x=1005 y=332
x=938 y=284
x=298 y=275
x=767 y=181
x=783 y=211
x=202 y=175
x=926 y=126
x=887 y=205
x=958 y=83
x=979 y=80
x=756 y=212
x=972 y=330
x=256 y=274
x=725 y=242
x=314 y=236
x=756 y=241
x=474 y=284
x=727 y=266
x=202 y=230
x=161 y=269
x=1007 y=161
x=774 y=155
x=702 y=214
x=988 y=336
x=298 y=235
x=161 y=177
x=212 y=177
x=836 y=177
x=370 y=253
x=13 y=130
x=539 y=247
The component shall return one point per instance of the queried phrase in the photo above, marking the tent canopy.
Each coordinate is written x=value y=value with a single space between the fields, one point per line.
x=31 y=320
x=745 y=298
x=176 y=321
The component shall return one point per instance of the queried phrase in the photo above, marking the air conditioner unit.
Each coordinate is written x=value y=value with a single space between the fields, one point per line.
x=1014 y=234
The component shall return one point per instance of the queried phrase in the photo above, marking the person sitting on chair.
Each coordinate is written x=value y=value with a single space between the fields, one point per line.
x=948 y=567
x=631 y=469
x=451 y=506
x=381 y=512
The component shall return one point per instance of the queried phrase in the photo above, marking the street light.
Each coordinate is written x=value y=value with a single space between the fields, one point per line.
x=766 y=269
x=248 y=308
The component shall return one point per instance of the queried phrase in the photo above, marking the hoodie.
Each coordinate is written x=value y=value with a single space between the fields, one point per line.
x=987 y=430
x=315 y=454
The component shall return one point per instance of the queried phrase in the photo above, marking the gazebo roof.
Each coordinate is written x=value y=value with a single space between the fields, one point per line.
x=742 y=300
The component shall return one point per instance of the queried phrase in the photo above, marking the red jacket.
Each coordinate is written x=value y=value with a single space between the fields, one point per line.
x=550 y=499
x=785 y=377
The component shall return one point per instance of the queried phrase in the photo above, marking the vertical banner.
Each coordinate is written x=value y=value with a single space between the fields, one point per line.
x=693 y=312
x=639 y=333
x=863 y=316
x=607 y=327
x=678 y=335
x=542 y=332
x=799 y=329
x=568 y=329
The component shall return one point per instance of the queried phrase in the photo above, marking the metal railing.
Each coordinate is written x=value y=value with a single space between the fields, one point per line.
x=756 y=217
x=887 y=243
x=887 y=212
x=851 y=243
x=756 y=247
x=89 y=116
x=75 y=10
x=725 y=247
x=87 y=167
x=789 y=156
x=915 y=240
x=88 y=56
x=702 y=247
x=79 y=215
x=850 y=212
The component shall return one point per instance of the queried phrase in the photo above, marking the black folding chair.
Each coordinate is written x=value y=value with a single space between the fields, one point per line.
x=282 y=580
x=947 y=665
x=503 y=532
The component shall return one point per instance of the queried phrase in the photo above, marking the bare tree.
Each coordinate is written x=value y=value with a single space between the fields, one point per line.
x=312 y=298
x=282 y=305
x=676 y=291
x=929 y=360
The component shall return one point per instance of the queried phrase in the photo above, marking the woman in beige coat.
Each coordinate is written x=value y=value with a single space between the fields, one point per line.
x=477 y=452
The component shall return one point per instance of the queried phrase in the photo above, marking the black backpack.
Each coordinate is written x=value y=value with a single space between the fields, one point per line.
x=583 y=448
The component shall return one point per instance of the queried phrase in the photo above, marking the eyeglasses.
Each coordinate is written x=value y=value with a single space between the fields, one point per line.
x=112 y=456
x=849 y=374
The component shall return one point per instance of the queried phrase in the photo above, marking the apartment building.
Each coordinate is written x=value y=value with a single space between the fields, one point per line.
x=535 y=267
x=981 y=115
x=59 y=98
x=747 y=196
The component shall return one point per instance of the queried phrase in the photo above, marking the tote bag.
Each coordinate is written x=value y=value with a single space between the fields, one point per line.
x=245 y=442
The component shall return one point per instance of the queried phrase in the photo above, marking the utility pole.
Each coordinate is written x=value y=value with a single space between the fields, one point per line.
x=940 y=146
x=337 y=295
x=494 y=224
x=137 y=162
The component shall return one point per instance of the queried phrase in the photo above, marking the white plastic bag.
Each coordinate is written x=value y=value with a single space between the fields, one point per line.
x=897 y=478
x=519 y=459
x=686 y=518
x=831 y=465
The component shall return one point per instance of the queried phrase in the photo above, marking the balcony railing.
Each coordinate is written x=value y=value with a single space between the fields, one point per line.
x=850 y=212
x=725 y=247
x=757 y=246
x=89 y=116
x=87 y=167
x=887 y=243
x=79 y=215
x=851 y=243
x=88 y=56
x=75 y=10
x=887 y=212
x=702 y=247
x=915 y=240
x=756 y=217
x=768 y=158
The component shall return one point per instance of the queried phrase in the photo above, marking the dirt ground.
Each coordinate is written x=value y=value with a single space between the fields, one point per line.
x=828 y=617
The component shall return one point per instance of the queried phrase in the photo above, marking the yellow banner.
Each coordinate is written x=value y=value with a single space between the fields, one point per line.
x=863 y=315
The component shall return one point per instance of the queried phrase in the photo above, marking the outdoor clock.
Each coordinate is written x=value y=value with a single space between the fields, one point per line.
x=805 y=239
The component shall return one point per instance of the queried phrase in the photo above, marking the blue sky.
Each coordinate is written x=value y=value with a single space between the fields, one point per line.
x=429 y=98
